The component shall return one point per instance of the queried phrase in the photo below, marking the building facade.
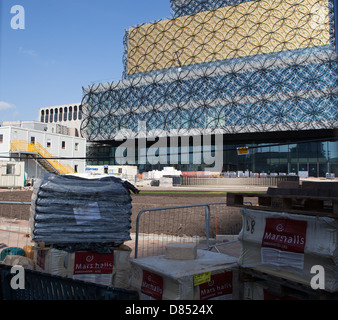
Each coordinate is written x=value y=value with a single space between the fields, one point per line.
x=219 y=76
x=68 y=116
x=40 y=150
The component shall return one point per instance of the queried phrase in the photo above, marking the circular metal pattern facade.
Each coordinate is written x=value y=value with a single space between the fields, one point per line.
x=253 y=66
x=187 y=7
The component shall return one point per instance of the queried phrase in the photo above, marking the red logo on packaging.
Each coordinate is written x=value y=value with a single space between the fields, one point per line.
x=285 y=235
x=93 y=263
x=152 y=285
x=219 y=285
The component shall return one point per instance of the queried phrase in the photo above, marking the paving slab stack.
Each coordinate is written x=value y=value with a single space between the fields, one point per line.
x=282 y=249
x=79 y=227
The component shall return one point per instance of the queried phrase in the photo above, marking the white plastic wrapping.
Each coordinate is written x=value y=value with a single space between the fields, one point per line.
x=111 y=269
x=289 y=245
x=163 y=279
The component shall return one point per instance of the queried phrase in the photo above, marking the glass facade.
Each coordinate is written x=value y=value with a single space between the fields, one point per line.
x=313 y=158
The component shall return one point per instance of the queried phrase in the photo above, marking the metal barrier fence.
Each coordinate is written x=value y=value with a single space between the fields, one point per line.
x=202 y=224
x=199 y=224
x=43 y=286
x=158 y=226
x=224 y=220
x=251 y=181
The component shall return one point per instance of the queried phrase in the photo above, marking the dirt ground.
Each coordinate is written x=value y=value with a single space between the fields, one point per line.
x=140 y=202
x=160 y=226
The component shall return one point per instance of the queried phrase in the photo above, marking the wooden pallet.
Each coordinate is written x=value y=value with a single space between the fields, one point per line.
x=281 y=287
x=298 y=204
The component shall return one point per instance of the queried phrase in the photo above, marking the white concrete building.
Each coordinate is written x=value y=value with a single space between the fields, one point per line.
x=41 y=148
x=35 y=125
x=70 y=116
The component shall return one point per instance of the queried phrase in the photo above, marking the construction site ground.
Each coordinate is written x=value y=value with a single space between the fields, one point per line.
x=14 y=218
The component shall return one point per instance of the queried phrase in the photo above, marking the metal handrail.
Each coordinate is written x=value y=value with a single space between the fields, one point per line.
x=25 y=146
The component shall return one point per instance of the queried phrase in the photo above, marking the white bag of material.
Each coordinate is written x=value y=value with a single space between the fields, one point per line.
x=289 y=245
x=111 y=269
x=164 y=279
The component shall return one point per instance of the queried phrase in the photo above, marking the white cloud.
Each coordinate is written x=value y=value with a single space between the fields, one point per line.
x=34 y=55
x=5 y=105
x=28 y=52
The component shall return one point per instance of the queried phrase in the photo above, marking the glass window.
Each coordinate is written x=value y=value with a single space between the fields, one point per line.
x=323 y=168
x=334 y=168
x=283 y=158
x=42 y=119
x=323 y=152
x=51 y=116
x=65 y=114
x=56 y=115
x=313 y=170
x=60 y=114
x=75 y=113
x=63 y=144
x=262 y=159
x=70 y=114
x=46 y=116
x=293 y=158
x=1 y=138
x=10 y=169
x=80 y=112
x=333 y=150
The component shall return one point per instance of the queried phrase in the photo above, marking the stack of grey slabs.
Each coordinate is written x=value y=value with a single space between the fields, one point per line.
x=79 y=213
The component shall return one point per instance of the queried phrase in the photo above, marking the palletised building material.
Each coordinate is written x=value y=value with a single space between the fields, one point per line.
x=289 y=245
x=69 y=211
x=209 y=276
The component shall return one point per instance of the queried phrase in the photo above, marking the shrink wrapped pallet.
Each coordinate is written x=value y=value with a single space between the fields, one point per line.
x=209 y=276
x=80 y=214
x=289 y=245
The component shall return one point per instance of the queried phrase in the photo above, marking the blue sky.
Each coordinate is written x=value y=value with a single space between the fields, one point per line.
x=66 y=44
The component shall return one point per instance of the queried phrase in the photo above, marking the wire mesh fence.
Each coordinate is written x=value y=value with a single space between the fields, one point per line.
x=198 y=224
x=14 y=226
x=155 y=227
x=224 y=220
x=171 y=224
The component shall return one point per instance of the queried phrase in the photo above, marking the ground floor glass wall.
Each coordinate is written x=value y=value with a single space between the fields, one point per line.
x=314 y=158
